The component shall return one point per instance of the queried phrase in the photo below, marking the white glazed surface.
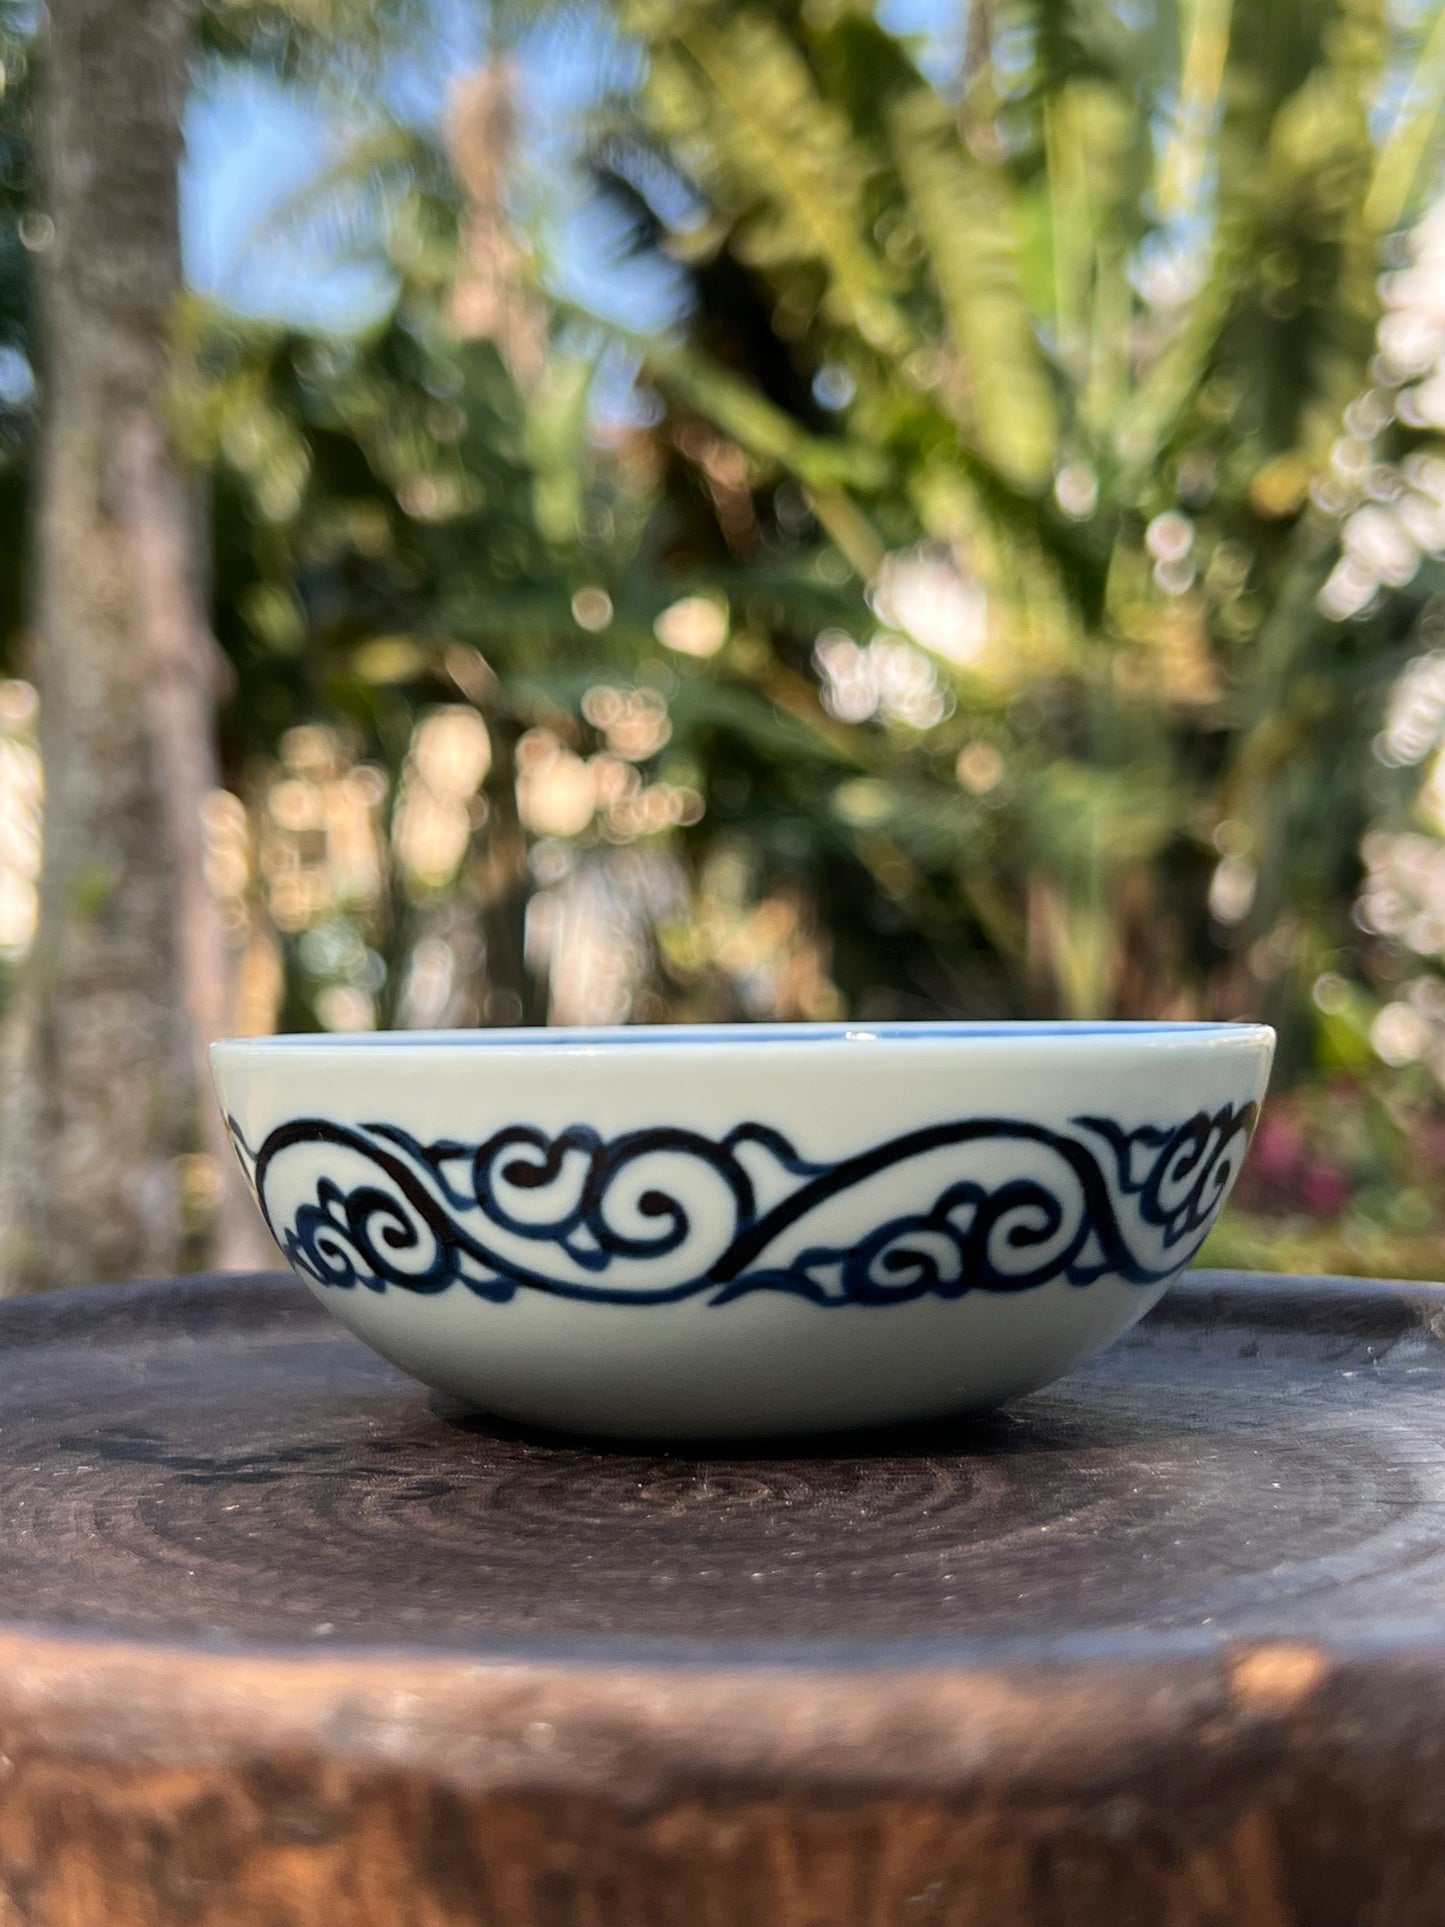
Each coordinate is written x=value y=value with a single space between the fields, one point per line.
x=670 y=1335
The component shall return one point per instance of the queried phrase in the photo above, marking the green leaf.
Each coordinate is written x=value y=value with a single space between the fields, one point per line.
x=793 y=151
x=967 y=217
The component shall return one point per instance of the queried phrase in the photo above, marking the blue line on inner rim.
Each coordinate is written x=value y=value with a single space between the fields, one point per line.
x=642 y=1035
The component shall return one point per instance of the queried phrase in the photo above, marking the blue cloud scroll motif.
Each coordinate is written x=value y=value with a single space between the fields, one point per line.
x=656 y=1215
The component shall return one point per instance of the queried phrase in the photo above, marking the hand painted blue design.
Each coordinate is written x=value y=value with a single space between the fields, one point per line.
x=661 y=1214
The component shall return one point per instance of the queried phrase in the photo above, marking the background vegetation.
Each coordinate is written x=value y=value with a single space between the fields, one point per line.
x=1000 y=575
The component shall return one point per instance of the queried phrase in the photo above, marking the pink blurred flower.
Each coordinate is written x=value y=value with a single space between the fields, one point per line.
x=1278 y=1151
x=1324 y=1192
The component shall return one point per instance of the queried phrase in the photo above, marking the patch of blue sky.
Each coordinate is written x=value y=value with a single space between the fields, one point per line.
x=253 y=147
x=257 y=148
x=936 y=31
x=571 y=67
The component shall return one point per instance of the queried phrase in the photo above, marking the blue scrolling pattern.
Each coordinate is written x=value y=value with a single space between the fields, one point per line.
x=656 y=1215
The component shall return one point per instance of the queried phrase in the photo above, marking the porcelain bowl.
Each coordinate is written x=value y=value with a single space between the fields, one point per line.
x=713 y=1232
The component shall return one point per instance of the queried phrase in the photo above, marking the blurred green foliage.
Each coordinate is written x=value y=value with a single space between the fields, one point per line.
x=1098 y=318
x=974 y=607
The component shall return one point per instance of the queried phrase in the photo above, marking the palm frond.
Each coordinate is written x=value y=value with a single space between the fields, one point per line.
x=804 y=177
x=966 y=216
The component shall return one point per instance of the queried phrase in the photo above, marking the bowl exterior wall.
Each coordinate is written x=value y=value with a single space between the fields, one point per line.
x=727 y=1237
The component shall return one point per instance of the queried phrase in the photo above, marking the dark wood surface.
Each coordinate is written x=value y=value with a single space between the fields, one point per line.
x=216 y=1463
x=287 y=1641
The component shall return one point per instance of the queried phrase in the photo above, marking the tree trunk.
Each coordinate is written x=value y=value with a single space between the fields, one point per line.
x=492 y=301
x=502 y=887
x=101 y=1094
x=186 y=671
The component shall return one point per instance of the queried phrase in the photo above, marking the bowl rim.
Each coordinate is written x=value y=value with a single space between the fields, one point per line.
x=547 y=1040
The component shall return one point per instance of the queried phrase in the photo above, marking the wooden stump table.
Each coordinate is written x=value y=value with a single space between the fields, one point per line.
x=285 y=1641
